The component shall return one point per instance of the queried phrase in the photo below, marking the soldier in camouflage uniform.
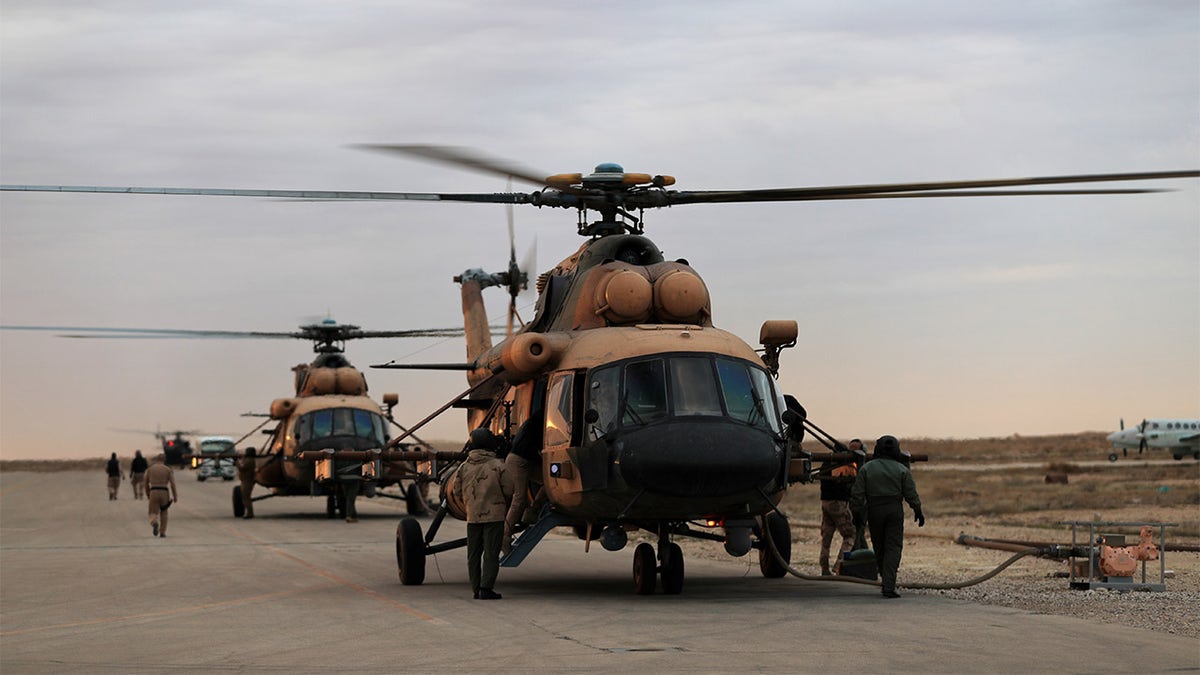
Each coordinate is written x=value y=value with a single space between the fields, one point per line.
x=486 y=488
x=835 y=509
x=882 y=484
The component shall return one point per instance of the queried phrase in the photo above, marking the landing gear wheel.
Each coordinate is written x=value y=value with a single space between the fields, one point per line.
x=672 y=570
x=778 y=532
x=239 y=506
x=1112 y=456
x=413 y=501
x=410 y=552
x=645 y=568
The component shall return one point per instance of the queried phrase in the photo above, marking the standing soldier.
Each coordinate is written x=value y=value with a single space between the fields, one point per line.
x=137 y=474
x=246 y=469
x=486 y=489
x=526 y=451
x=881 y=485
x=835 y=508
x=161 y=493
x=113 y=469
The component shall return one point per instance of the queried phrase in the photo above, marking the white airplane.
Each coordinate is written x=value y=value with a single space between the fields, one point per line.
x=1181 y=437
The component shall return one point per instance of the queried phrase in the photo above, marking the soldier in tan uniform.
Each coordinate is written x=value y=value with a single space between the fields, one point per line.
x=161 y=493
x=486 y=488
x=246 y=469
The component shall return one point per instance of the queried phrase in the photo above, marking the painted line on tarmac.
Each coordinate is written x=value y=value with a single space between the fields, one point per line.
x=322 y=572
x=152 y=615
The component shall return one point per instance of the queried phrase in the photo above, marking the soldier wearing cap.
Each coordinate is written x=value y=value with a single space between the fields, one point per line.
x=486 y=488
x=835 y=507
x=882 y=484
x=161 y=493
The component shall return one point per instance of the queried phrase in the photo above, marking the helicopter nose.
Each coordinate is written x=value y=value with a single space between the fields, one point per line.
x=700 y=459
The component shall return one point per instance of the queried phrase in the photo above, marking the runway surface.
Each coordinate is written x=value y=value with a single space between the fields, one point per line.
x=85 y=588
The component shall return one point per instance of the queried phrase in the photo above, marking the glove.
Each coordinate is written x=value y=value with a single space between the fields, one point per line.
x=919 y=518
x=858 y=519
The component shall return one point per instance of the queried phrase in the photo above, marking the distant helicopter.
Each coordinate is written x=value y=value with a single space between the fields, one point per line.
x=329 y=414
x=651 y=418
x=176 y=448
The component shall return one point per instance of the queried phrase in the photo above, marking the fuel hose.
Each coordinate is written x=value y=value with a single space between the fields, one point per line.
x=869 y=582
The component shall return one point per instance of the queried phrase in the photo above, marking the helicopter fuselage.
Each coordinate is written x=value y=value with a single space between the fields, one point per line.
x=659 y=422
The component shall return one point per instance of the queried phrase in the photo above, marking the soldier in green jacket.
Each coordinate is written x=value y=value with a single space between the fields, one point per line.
x=882 y=484
x=486 y=488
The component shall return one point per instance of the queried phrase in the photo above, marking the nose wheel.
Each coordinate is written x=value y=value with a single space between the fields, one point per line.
x=647 y=566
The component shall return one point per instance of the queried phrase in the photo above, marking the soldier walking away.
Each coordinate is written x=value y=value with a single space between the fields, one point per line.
x=486 y=488
x=161 y=493
x=246 y=469
x=835 y=509
x=882 y=484
x=115 y=475
x=137 y=474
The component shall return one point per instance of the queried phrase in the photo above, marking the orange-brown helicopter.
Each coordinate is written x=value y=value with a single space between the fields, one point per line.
x=328 y=436
x=647 y=416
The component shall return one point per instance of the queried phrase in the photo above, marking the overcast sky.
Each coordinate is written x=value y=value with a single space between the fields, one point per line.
x=934 y=317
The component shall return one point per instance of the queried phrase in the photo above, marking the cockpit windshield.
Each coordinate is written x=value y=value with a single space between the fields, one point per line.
x=645 y=391
x=361 y=429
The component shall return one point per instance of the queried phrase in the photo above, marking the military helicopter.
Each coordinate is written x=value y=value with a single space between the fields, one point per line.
x=329 y=414
x=176 y=447
x=651 y=417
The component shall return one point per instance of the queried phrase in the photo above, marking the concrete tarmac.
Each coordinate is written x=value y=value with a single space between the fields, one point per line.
x=85 y=588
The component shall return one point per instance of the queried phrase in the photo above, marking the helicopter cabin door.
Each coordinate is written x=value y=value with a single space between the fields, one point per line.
x=564 y=424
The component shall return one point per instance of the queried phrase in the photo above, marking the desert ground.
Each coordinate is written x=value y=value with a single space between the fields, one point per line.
x=996 y=488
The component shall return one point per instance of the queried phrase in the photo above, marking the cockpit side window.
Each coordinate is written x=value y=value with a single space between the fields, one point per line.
x=748 y=394
x=558 y=410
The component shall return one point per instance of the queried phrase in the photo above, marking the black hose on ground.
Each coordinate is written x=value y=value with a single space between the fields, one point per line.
x=857 y=580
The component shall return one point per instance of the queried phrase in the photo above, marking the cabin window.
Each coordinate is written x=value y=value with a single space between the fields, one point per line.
x=645 y=393
x=558 y=410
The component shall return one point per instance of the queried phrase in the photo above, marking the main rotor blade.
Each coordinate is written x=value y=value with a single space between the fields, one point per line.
x=461 y=157
x=148 y=333
x=938 y=189
x=304 y=195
